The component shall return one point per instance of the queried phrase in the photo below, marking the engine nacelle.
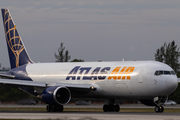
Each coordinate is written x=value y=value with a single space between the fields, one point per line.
x=56 y=95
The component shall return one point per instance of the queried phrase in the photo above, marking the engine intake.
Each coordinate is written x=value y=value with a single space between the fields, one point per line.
x=56 y=95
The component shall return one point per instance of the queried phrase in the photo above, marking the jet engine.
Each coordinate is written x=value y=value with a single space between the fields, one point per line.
x=56 y=95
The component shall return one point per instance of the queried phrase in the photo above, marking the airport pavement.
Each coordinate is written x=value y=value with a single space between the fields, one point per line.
x=91 y=116
x=71 y=115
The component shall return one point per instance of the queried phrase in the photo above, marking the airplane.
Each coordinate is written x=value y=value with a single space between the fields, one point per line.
x=56 y=83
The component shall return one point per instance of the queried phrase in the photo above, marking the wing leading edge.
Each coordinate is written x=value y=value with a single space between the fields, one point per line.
x=6 y=76
x=44 y=84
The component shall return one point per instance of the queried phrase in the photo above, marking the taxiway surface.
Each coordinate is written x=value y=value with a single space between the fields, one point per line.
x=91 y=116
x=71 y=115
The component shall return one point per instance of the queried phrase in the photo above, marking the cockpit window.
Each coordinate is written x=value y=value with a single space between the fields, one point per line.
x=156 y=73
x=162 y=72
x=167 y=72
x=173 y=73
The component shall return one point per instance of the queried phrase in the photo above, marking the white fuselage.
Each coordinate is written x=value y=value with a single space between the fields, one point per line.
x=112 y=79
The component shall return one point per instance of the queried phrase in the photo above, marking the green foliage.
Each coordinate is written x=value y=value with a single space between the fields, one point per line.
x=12 y=93
x=77 y=60
x=169 y=54
x=61 y=57
x=159 y=55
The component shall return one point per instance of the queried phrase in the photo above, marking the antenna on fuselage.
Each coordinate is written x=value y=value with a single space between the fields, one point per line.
x=123 y=59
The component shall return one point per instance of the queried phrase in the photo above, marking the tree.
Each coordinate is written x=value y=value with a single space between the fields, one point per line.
x=169 y=54
x=159 y=54
x=61 y=57
x=77 y=60
x=12 y=93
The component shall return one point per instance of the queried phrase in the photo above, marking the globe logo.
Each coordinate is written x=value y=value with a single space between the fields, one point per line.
x=12 y=37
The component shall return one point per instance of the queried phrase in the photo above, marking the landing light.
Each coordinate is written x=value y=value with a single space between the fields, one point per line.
x=93 y=88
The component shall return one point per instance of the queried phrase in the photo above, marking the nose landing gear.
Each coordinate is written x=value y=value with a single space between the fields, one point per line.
x=159 y=101
x=159 y=109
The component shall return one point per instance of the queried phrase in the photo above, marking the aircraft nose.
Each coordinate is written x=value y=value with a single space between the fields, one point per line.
x=172 y=83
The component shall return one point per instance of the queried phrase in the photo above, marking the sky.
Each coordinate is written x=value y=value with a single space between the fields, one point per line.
x=92 y=30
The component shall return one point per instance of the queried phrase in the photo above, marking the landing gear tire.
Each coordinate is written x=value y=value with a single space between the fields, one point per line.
x=61 y=108
x=54 y=108
x=111 y=108
x=159 y=109
x=105 y=108
x=117 y=108
x=49 y=108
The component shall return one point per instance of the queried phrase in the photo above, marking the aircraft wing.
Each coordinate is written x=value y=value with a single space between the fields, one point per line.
x=22 y=83
x=44 y=84
x=7 y=76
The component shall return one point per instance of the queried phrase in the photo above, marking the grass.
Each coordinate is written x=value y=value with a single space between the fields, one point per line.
x=21 y=109
x=169 y=110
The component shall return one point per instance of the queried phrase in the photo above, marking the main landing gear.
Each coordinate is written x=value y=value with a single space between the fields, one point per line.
x=54 y=108
x=110 y=107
